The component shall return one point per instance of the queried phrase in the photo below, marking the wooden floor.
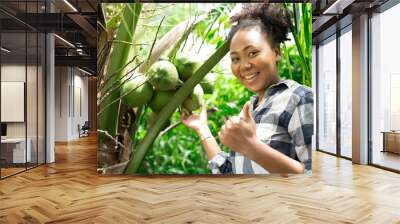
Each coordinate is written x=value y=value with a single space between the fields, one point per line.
x=70 y=191
x=388 y=159
x=10 y=171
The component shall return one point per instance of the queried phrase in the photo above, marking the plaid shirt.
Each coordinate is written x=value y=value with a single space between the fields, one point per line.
x=284 y=121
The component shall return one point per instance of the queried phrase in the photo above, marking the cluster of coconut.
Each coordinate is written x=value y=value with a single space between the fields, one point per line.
x=160 y=83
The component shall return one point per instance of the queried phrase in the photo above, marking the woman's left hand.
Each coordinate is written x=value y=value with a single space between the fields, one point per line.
x=239 y=133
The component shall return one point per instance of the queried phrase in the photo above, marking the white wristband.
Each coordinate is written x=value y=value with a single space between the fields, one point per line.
x=206 y=137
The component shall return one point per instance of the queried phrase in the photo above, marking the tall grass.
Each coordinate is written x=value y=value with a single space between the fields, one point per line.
x=296 y=62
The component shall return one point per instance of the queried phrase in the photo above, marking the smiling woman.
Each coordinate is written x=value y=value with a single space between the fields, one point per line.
x=253 y=60
x=273 y=134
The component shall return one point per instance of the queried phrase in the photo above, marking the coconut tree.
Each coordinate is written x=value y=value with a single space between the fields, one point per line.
x=118 y=59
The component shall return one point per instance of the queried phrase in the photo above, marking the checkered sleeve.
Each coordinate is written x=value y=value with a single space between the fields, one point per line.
x=300 y=128
x=220 y=164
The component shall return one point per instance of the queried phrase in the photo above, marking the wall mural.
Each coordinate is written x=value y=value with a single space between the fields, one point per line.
x=218 y=88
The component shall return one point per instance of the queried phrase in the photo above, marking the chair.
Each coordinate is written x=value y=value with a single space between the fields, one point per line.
x=84 y=130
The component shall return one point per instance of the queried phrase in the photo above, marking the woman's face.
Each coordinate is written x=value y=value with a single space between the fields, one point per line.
x=253 y=60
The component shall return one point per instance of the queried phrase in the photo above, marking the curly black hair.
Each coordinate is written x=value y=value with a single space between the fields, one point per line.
x=271 y=18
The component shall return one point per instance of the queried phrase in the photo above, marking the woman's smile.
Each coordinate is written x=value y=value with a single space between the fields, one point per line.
x=250 y=77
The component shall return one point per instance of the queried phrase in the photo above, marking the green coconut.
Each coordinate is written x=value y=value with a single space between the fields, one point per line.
x=207 y=83
x=136 y=91
x=163 y=75
x=160 y=99
x=193 y=101
x=187 y=65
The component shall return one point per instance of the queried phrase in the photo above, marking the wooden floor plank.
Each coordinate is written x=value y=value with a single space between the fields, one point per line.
x=70 y=191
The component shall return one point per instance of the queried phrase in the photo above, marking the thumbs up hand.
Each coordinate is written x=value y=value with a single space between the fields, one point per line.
x=239 y=133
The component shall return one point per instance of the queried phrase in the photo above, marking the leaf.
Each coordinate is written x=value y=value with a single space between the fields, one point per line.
x=286 y=54
x=183 y=39
x=169 y=39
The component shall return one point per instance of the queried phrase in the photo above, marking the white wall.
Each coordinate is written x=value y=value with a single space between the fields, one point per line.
x=71 y=93
x=61 y=103
x=16 y=73
x=80 y=110
x=12 y=73
x=33 y=126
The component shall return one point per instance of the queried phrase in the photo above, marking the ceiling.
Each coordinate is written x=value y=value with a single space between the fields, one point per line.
x=74 y=22
x=331 y=15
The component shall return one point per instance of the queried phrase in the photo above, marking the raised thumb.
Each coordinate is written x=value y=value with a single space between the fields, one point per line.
x=246 y=112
